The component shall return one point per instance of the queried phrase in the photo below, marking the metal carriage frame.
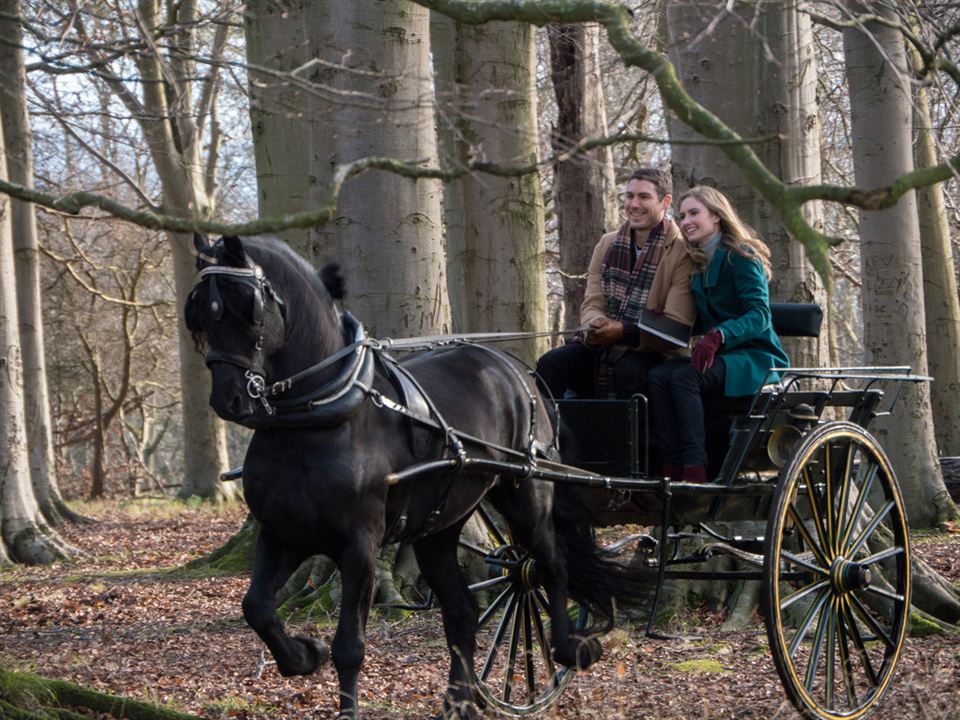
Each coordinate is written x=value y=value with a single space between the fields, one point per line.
x=834 y=560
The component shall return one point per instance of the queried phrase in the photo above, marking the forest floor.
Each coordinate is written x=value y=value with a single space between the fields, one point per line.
x=117 y=620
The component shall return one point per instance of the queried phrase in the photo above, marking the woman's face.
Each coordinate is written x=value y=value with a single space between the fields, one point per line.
x=697 y=222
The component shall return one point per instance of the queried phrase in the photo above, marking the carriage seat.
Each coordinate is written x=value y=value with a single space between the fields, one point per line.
x=789 y=320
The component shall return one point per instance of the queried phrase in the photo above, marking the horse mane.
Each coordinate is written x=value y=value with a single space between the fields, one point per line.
x=273 y=244
x=289 y=268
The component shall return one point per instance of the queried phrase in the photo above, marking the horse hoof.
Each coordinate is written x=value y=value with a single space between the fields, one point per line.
x=318 y=649
x=315 y=654
x=589 y=651
x=461 y=710
x=581 y=653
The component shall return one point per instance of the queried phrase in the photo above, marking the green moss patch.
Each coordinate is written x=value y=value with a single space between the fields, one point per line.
x=701 y=665
x=31 y=697
x=922 y=627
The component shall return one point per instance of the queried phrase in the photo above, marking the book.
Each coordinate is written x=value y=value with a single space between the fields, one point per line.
x=665 y=328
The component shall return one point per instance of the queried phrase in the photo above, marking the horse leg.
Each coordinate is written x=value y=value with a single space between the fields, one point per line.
x=357 y=570
x=437 y=558
x=299 y=655
x=529 y=515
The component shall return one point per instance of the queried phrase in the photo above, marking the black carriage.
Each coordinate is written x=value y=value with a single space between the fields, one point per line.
x=834 y=560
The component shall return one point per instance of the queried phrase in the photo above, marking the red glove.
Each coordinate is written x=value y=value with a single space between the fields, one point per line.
x=704 y=350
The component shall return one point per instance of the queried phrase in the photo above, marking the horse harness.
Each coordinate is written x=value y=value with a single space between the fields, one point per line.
x=340 y=398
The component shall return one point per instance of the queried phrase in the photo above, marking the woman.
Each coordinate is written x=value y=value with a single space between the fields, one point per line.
x=739 y=345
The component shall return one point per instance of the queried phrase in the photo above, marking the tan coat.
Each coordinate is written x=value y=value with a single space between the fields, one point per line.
x=670 y=292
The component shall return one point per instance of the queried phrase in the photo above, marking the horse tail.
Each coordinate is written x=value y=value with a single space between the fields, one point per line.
x=593 y=580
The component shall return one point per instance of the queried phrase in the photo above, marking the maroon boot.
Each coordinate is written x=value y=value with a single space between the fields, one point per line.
x=674 y=472
x=694 y=474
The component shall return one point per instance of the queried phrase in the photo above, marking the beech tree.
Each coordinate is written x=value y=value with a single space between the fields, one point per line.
x=881 y=123
x=941 y=301
x=332 y=83
x=387 y=229
x=25 y=536
x=769 y=49
x=584 y=187
x=19 y=160
x=498 y=246
x=278 y=37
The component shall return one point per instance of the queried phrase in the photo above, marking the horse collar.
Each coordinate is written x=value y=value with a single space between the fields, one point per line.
x=329 y=405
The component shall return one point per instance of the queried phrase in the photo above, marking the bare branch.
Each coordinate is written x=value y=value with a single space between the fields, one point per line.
x=67 y=265
x=129 y=181
x=787 y=199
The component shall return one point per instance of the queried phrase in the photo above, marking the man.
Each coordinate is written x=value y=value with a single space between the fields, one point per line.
x=644 y=264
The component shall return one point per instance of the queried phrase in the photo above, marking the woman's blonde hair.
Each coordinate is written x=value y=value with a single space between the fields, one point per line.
x=737 y=235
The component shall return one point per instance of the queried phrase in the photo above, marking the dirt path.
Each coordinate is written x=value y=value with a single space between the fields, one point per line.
x=183 y=641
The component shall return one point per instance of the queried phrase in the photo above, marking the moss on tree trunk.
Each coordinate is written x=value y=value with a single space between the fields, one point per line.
x=32 y=697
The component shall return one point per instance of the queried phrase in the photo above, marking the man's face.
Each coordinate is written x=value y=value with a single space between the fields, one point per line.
x=644 y=209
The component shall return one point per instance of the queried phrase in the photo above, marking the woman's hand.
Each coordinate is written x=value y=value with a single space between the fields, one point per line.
x=705 y=349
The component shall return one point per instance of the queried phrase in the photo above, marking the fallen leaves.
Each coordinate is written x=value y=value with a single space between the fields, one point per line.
x=182 y=640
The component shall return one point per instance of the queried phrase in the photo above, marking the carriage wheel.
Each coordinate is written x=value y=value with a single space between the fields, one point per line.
x=837 y=573
x=515 y=672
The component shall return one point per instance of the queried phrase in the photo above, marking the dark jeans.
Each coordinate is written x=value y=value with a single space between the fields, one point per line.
x=574 y=367
x=676 y=393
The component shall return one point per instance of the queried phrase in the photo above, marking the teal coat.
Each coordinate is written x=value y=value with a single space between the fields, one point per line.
x=732 y=295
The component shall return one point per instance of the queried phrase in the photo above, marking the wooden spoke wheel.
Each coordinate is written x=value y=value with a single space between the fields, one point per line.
x=837 y=573
x=515 y=672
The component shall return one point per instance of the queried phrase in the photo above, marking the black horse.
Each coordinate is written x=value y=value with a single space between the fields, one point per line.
x=335 y=419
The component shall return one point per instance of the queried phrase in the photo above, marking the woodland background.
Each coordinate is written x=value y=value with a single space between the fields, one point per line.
x=459 y=159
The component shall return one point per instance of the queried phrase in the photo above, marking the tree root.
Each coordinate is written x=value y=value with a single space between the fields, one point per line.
x=30 y=697
x=745 y=600
x=934 y=595
x=235 y=555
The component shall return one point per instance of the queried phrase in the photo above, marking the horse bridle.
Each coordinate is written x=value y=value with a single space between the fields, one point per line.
x=254 y=277
x=254 y=372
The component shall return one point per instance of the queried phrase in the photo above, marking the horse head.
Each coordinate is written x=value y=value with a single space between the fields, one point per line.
x=239 y=317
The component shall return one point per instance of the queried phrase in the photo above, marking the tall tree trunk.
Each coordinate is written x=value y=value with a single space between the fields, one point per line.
x=388 y=228
x=501 y=257
x=275 y=43
x=322 y=114
x=19 y=157
x=97 y=470
x=175 y=145
x=894 y=317
x=24 y=534
x=444 y=40
x=769 y=49
x=941 y=300
x=583 y=184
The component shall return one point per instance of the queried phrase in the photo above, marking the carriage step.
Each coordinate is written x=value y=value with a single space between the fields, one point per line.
x=644 y=542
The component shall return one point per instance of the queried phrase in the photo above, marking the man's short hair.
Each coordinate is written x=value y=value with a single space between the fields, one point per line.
x=660 y=179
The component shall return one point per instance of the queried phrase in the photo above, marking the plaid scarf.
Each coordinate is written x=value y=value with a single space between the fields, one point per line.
x=626 y=283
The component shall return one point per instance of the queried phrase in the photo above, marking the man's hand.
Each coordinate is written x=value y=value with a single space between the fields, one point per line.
x=604 y=332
